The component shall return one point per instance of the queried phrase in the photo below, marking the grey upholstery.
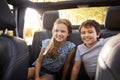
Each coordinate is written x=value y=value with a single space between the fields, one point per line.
x=49 y=18
x=14 y=56
x=108 y=67
x=5 y=14
x=75 y=37
x=112 y=22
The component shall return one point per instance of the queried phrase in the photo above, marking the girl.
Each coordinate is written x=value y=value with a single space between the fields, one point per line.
x=55 y=53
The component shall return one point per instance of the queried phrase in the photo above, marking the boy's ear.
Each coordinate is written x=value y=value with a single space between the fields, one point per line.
x=98 y=35
x=68 y=34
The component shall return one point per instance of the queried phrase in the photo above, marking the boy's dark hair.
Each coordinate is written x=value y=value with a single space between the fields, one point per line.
x=89 y=23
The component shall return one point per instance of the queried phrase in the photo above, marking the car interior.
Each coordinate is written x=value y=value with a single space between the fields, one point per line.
x=111 y=28
x=16 y=56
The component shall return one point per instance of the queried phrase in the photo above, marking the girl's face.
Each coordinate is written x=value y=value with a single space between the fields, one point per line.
x=89 y=36
x=60 y=32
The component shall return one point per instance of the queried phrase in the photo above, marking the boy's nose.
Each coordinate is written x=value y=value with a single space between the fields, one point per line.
x=86 y=34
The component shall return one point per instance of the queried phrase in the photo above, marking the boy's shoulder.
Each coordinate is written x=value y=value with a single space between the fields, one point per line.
x=80 y=45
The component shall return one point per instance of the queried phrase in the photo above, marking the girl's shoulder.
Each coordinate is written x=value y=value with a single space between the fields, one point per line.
x=45 y=42
x=71 y=44
x=68 y=46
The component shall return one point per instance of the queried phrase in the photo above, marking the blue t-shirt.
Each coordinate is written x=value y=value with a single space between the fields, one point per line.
x=56 y=64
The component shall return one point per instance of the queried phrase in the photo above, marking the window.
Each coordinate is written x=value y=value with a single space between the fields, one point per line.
x=32 y=24
x=77 y=16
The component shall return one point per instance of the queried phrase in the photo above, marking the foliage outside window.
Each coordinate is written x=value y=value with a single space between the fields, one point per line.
x=77 y=16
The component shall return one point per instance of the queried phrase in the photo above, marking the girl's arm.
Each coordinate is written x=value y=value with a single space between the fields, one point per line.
x=75 y=70
x=38 y=65
x=67 y=64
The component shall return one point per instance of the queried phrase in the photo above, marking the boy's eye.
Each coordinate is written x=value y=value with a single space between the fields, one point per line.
x=90 y=31
x=82 y=32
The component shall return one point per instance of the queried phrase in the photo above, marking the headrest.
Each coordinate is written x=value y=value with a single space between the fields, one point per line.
x=112 y=21
x=49 y=18
x=7 y=19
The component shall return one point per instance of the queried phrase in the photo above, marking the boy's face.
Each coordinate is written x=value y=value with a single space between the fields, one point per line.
x=89 y=35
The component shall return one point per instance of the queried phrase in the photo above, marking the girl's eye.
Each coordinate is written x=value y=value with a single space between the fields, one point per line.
x=62 y=31
x=55 y=30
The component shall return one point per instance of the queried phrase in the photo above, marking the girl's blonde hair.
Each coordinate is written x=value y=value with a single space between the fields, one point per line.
x=53 y=46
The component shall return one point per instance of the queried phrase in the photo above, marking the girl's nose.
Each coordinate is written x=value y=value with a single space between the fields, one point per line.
x=58 y=33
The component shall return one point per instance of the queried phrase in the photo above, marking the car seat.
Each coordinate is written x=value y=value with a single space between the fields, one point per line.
x=108 y=67
x=111 y=22
x=14 y=55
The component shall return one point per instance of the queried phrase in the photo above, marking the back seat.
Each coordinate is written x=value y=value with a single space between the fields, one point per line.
x=106 y=31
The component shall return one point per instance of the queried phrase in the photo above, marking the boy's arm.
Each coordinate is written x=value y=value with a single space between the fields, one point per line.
x=67 y=64
x=75 y=70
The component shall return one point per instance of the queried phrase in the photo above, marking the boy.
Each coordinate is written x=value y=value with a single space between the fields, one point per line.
x=88 y=51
